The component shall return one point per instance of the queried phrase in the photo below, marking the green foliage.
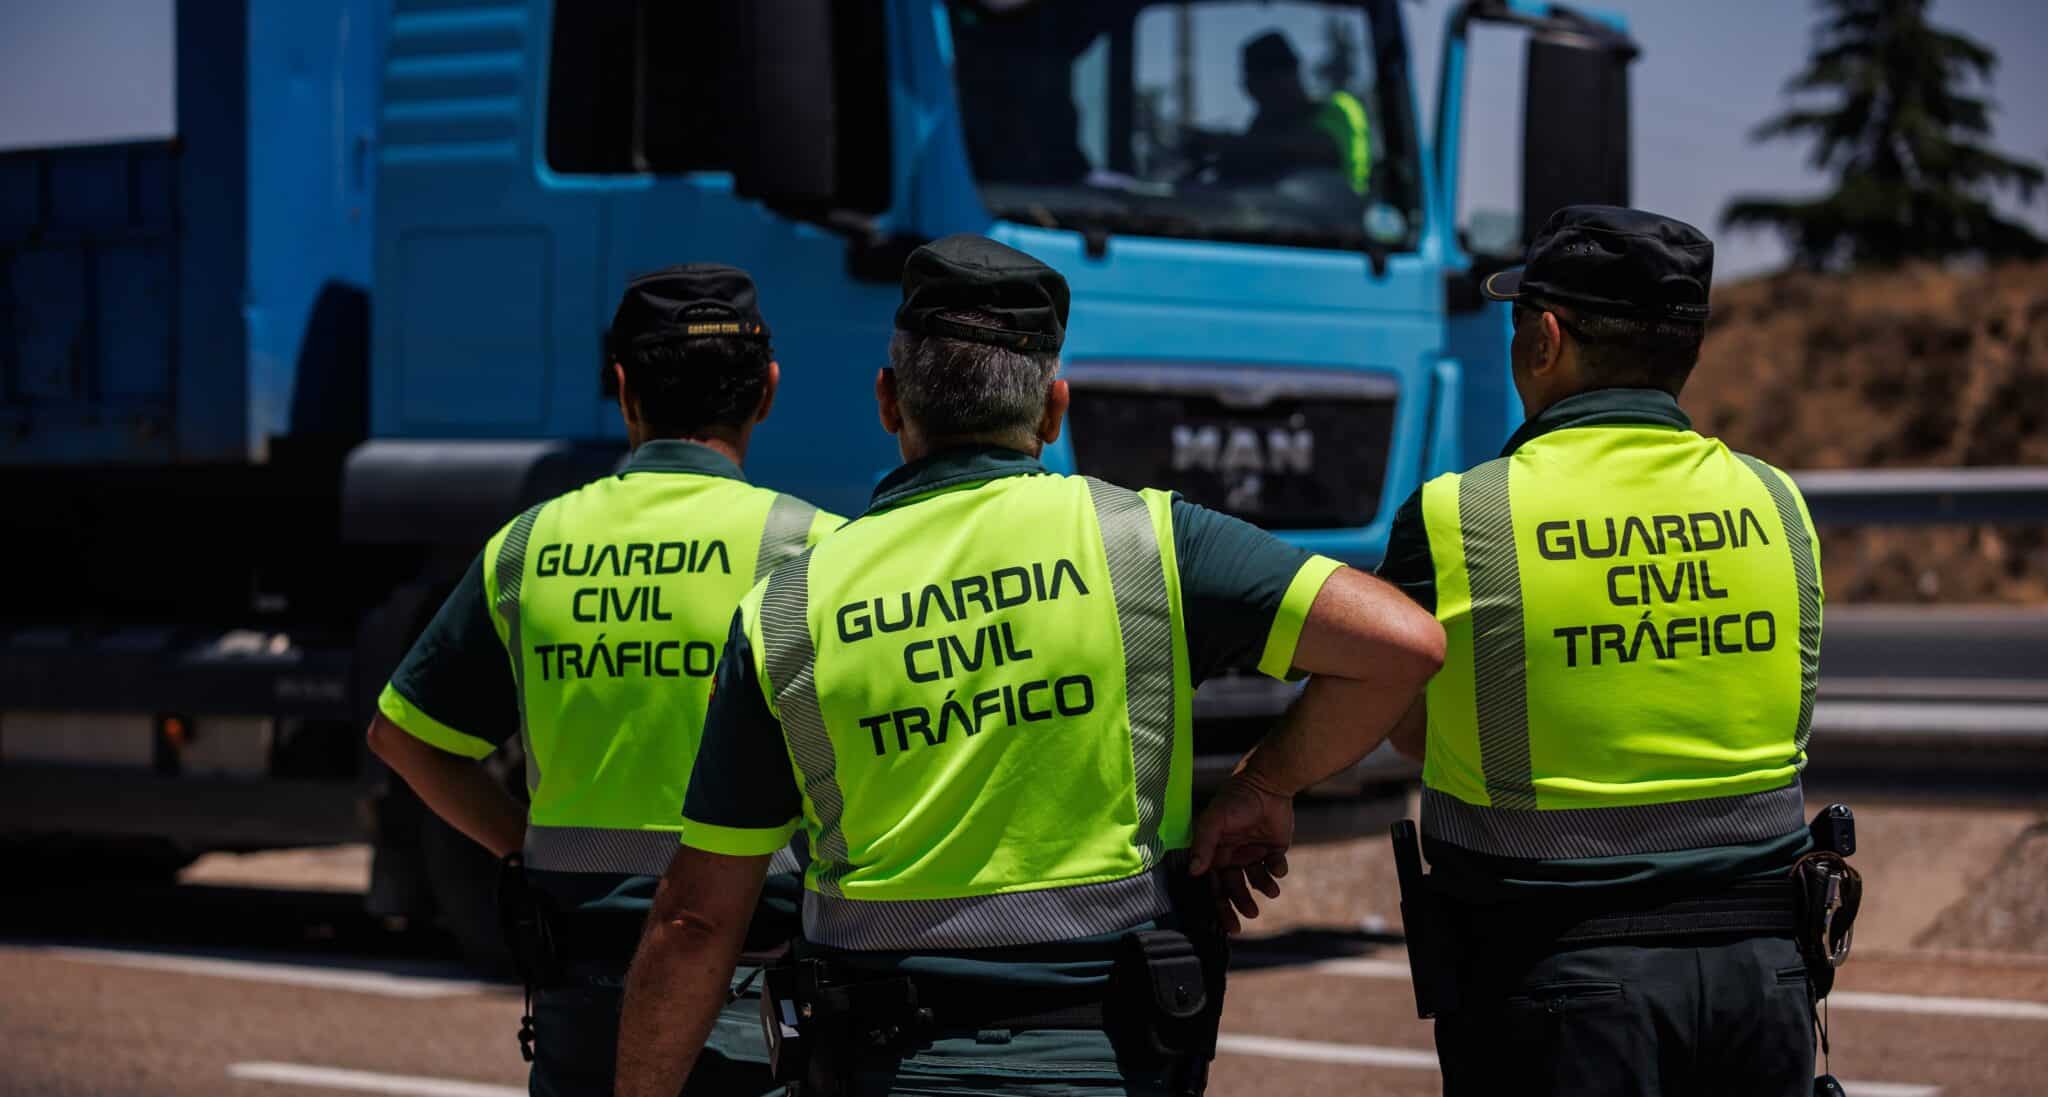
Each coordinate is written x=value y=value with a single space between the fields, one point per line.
x=1899 y=132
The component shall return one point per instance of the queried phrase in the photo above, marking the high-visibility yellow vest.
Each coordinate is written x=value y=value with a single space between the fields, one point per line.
x=1343 y=117
x=986 y=697
x=614 y=602
x=1633 y=622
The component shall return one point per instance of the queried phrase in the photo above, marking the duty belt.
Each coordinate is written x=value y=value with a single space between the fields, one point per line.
x=1163 y=998
x=1748 y=907
x=921 y=1006
x=1753 y=908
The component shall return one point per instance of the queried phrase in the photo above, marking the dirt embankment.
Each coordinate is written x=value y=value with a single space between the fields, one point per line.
x=1919 y=367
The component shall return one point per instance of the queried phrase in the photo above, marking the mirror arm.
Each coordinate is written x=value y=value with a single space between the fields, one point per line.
x=1450 y=110
x=1566 y=25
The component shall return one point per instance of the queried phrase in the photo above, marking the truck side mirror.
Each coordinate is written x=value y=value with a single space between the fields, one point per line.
x=1574 y=124
x=812 y=132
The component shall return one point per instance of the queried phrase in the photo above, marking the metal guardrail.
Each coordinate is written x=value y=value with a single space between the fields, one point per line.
x=1996 y=495
x=1925 y=688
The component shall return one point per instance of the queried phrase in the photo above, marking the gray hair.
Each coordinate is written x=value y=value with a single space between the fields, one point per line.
x=953 y=388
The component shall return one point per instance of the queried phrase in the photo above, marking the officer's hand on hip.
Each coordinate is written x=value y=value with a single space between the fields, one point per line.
x=1231 y=890
x=1242 y=838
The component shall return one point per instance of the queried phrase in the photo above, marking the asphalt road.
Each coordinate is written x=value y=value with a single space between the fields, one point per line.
x=209 y=989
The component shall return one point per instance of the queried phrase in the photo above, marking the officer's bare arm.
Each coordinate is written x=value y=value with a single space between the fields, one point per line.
x=681 y=973
x=1369 y=650
x=1411 y=736
x=456 y=788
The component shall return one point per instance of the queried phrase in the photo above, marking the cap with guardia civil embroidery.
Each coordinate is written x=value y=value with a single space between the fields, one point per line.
x=1025 y=300
x=692 y=301
x=1621 y=262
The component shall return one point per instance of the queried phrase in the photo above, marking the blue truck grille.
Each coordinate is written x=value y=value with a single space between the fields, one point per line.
x=1279 y=455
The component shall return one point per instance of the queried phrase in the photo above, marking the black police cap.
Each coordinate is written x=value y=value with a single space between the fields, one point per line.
x=1620 y=262
x=963 y=273
x=692 y=301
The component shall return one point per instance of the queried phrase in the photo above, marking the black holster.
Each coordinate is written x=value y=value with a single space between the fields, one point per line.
x=1185 y=1024
x=530 y=925
x=1425 y=925
x=1827 y=894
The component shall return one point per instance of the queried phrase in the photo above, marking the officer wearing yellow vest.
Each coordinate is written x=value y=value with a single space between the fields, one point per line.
x=975 y=702
x=1612 y=751
x=1291 y=130
x=612 y=602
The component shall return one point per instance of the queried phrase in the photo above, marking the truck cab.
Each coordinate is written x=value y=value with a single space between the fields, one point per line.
x=1273 y=313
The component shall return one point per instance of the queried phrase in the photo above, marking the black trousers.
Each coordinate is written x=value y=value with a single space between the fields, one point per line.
x=1696 y=1018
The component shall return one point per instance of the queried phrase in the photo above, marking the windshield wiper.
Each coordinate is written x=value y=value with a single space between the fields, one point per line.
x=1180 y=227
x=1126 y=222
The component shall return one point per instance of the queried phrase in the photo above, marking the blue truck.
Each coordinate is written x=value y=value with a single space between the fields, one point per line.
x=269 y=383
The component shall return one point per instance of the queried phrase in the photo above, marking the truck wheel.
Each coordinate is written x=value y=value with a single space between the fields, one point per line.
x=462 y=877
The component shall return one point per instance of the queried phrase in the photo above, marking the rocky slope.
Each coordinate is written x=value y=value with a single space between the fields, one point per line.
x=1919 y=367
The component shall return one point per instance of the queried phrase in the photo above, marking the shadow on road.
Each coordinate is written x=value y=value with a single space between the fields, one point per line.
x=326 y=928
x=1307 y=945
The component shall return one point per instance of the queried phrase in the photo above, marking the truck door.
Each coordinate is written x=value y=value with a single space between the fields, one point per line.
x=1574 y=150
x=663 y=108
x=488 y=275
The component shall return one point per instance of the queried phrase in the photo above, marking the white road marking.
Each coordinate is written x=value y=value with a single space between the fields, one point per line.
x=2005 y=1008
x=1364 y=969
x=364 y=1081
x=2011 y=1009
x=1315 y=1051
x=389 y=984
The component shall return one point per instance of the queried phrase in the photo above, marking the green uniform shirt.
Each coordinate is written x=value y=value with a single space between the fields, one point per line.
x=1605 y=881
x=456 y=691
x=1245 y=595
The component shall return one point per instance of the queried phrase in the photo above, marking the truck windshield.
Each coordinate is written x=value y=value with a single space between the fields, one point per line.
x=1279 y=122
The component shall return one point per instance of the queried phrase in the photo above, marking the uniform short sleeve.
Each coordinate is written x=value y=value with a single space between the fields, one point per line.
x=743 y=799
x=1408 y=564
x=1245 y=592
x=454 y=688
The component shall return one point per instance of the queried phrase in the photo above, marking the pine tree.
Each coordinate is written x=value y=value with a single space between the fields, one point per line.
x=1902 y=138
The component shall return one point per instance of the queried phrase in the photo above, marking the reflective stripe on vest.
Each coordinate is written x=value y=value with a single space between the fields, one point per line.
x=1343 y=117
x=1612 y=832
x=791 y=666
x=1004 y=911
x=1144 y=614
x=1618 y=680
x=784 y=534
x=1809 y=591
x=988 y=921
x=1500 y=687
x=599 y=849
x=510 y=570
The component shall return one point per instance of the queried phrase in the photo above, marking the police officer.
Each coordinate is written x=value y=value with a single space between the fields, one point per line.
x=1612 y=752
x=612 y=602
x=975 y=701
